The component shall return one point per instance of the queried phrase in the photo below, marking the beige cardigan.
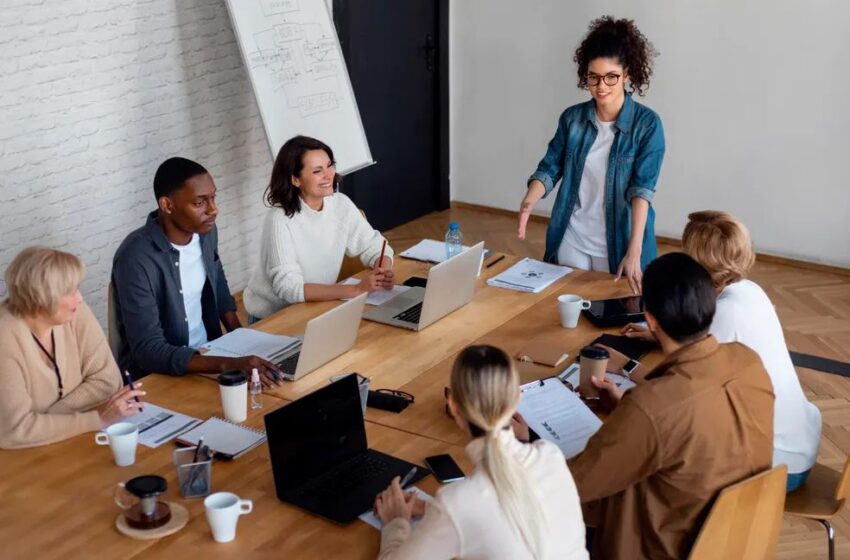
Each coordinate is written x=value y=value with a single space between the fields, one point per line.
x=31 y=413
x=466 y=521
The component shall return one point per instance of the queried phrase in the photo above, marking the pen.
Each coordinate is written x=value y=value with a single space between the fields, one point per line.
x=130 y=383
x=383 y=249
x=408 y=477
x=198 y=449
x=495 y=261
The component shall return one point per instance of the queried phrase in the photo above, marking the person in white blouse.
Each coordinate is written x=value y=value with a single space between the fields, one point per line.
x=307 y=231
x=520 y=501
x=745 y=314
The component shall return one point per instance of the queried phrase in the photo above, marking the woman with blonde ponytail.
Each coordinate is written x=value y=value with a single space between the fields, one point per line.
x=519 y=503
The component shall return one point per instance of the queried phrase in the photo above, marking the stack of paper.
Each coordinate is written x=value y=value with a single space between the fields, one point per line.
x=251 y=342
x=430 y=250
x=158 y=425
x=558 y=415
x=529 y=275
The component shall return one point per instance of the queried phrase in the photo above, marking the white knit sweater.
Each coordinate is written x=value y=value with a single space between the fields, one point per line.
x=308 y=249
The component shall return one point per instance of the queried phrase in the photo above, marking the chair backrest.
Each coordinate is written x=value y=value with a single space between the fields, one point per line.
x=843 y=482
x=112 y=322
x=745 y=519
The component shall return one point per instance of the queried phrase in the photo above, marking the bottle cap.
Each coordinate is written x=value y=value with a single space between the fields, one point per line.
x=454 y=225
x=255 y=376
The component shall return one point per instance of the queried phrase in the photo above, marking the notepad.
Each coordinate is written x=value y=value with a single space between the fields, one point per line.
x=227 y=439
x=433 y=251
x=529 y=275
x=251 y=342
x=558 y=415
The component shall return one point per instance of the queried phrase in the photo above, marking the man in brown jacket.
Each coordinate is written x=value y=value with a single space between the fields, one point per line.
x=701 y=420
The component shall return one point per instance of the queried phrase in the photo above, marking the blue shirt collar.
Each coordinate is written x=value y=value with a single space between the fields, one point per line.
x=624 y=119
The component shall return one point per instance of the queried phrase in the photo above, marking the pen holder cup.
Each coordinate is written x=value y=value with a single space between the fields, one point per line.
x=195 y=479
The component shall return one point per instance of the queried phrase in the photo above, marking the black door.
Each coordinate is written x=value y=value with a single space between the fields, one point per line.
x=393 y=52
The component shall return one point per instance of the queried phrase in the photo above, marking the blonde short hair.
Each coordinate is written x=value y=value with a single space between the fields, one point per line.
x=38 y=277
x=721 y=243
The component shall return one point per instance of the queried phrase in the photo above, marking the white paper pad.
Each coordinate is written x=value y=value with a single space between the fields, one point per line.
x=250 y=342
x=558 y=415
x=373 y=520
x=158 y=425
x=433 y=251
x=529 y=275
x=379 y=297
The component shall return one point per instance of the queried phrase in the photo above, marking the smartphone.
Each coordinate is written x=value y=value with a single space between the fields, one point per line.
x=444 y=468
x=416 y=282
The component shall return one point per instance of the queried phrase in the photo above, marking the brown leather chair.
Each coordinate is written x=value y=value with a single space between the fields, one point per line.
x=744 y=521
x=821 y=498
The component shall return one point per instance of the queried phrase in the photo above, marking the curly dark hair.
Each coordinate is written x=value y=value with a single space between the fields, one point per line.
x=621 y=39
x=290 y=161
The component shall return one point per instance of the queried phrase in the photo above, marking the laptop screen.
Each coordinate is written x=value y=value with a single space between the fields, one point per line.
x=315 y=433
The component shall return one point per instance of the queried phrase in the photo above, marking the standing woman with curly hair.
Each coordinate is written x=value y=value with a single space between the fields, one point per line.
x=607 y=152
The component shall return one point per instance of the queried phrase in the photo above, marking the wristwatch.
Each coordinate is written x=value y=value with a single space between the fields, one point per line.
x=630 y=367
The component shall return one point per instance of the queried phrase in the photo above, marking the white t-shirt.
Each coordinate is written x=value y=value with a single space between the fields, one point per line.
x=586 y=230
x=193 y=276
x=746 y=315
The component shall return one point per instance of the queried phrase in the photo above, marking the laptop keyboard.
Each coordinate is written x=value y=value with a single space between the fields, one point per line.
x=411 y=314
x=343 y=478
x=288 y=365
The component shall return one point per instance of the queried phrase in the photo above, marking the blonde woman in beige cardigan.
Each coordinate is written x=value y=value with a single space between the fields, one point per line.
x=519 y=503
x=58 y=378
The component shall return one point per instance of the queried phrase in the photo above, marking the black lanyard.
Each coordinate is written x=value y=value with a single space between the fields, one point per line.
x=52 y=359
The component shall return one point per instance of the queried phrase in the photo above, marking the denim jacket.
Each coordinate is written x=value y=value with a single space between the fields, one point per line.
x=153 y=329
x=633 y=168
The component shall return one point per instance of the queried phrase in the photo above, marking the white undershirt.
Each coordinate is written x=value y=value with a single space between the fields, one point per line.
x=745 y=314
x=192 y=279
x=586 y=230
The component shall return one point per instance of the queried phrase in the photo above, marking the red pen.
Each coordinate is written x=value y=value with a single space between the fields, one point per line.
x=383 y=249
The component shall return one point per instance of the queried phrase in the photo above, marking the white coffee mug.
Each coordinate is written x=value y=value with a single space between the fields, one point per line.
x=569 y=308
x=122 y=438
x=223 y=511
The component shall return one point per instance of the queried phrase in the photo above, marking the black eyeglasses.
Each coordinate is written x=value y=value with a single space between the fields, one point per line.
x=396 y=393
x=446 y=393
x=609 y=79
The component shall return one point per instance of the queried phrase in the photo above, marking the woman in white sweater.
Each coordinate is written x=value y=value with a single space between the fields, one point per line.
x=307 y=230
x=520 y=502
x=722 y=244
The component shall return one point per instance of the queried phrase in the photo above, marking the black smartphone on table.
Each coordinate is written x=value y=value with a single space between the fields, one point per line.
x=416 y=282
x=444 y=468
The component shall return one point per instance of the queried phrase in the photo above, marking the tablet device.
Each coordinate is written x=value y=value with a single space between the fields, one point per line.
x=615 y=312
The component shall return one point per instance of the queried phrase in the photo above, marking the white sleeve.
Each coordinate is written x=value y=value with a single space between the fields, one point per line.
x=724 y=325
x=435 y=538
x=363 y=241
x=284 y=270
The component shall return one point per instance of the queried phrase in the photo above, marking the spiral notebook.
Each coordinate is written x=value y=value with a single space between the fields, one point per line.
x=227 y=439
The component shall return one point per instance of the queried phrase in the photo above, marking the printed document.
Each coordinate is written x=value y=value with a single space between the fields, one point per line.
x=158 y=425
x=529 y=275
x=558 y=415
x=251 y=342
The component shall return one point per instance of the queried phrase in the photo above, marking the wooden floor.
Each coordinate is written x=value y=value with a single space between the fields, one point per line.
x=814 y=308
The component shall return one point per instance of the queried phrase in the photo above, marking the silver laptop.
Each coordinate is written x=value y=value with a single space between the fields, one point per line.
x=326 y=337
x=450 y=286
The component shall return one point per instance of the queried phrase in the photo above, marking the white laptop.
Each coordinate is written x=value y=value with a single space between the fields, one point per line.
x=326 y=337
x=451 y=285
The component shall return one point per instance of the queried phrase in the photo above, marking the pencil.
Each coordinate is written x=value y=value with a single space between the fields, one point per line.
x=381 y=258
x=130 y=383
x=495 y=261
x=408 y=477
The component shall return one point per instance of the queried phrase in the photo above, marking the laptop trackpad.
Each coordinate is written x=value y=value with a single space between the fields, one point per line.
x=408 y=299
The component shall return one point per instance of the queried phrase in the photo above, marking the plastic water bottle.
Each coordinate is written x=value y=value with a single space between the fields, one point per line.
x=454 y=240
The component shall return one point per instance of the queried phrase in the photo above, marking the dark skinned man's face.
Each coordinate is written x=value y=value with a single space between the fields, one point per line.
x=192 y=207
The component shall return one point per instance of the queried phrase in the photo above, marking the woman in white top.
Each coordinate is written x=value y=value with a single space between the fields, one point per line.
x=308 y=229
x=722 y=244
x=520 y=502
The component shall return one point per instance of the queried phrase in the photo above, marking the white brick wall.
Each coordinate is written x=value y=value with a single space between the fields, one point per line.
x=93 y=97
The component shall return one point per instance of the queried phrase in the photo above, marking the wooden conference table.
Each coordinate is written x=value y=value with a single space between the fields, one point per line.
x=57 y=500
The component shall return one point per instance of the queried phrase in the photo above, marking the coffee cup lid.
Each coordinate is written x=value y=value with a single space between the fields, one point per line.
x=146 y=486
x=594 y=352
x=230 y=378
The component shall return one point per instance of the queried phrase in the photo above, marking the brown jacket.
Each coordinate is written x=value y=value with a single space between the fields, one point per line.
x=702 y=421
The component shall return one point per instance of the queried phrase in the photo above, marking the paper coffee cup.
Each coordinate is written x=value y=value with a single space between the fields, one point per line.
x=234 y=395
x=592 y=363
x=122 y=438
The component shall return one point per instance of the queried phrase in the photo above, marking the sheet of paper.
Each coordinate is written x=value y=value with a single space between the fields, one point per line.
x=379 y=297
x=158 y=425
x=372 y=519
x=250 y=342
x=529 y=275
x=558 y=415
x=433 y=251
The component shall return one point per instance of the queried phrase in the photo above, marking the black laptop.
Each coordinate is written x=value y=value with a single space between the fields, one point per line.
x=319 y=455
